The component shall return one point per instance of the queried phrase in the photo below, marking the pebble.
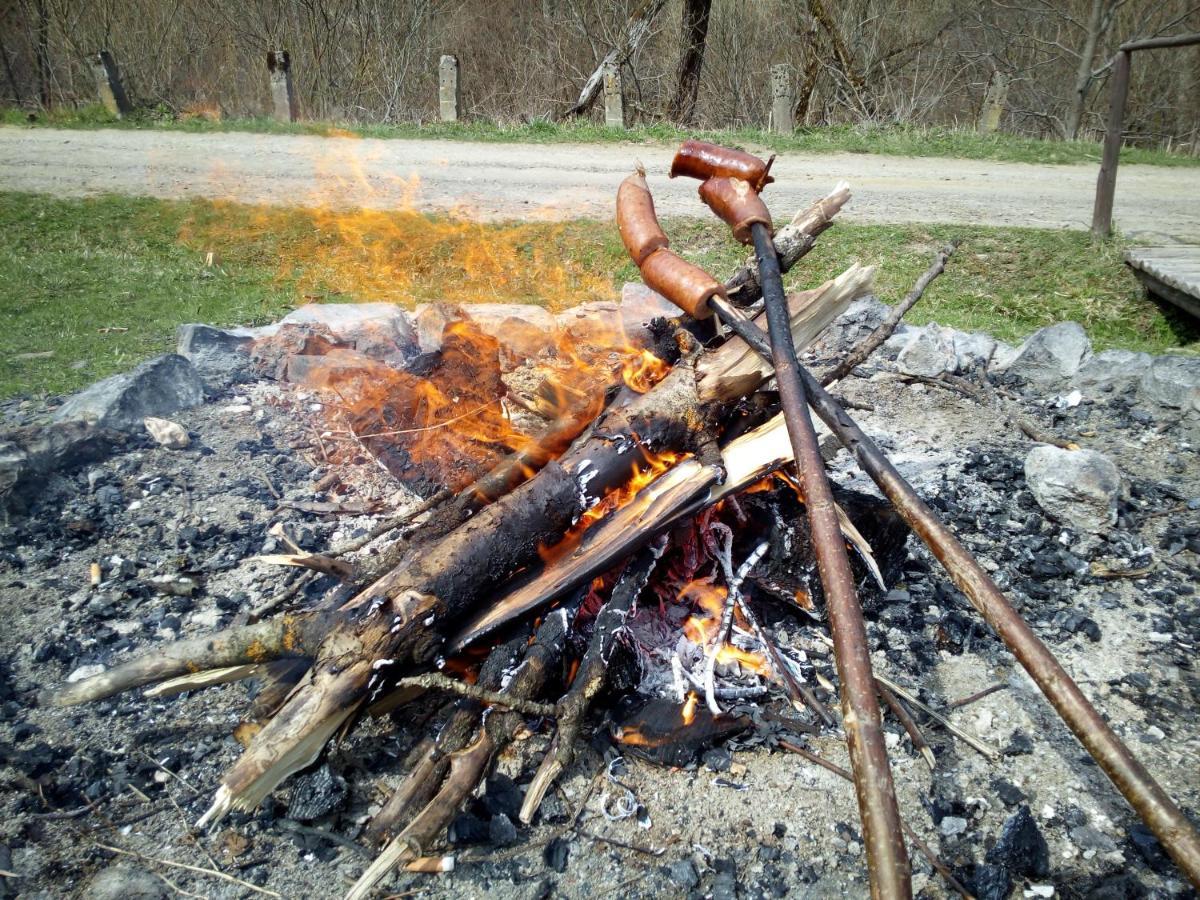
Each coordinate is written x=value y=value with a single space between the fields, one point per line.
x=683 y=873
x=83 y=672
x=1021 y=848
x=952 y=826
x=1154 y=735
x=556 y=855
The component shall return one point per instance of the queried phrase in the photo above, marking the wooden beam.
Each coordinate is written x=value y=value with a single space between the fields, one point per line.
x=1106 y=184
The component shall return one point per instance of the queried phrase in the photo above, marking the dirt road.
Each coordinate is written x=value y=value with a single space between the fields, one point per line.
x=498 y=181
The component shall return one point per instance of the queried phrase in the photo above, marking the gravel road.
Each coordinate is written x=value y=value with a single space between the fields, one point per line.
x=556 y=181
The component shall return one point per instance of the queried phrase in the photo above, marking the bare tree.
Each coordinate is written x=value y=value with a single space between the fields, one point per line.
x=691 y=58
x=1100 y=20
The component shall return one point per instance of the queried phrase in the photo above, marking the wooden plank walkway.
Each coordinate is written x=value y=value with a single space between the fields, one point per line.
x=1171 y=272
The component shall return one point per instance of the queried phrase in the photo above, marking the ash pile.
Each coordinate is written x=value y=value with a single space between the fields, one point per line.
x=628 y=683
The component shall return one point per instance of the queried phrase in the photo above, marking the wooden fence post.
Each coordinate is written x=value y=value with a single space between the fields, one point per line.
x=1106 y=184
x=614 y=100
x=109 y=86
x=993 y=103
x=283 y=95
x=449 y=93
x=783 y=99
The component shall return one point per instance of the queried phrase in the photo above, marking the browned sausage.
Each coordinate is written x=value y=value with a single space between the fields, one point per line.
x=737 y=203
x=636 y=219
x=697 y=159
x=685 y=285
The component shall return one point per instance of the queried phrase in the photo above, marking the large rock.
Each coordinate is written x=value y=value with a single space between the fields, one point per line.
x=1111 y=370
x=930 y=354
x=1173 y=381
x=523 y=330
x=860 y=318
x=158 y=387
x=381 y=331
x=29 y=453
x=1049 y=356
x=1077 y=487
x=973 y=350
x=220 y=356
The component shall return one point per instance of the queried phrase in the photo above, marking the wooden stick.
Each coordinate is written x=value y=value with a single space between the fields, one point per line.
x=906 y=720
x=978 y=695
x=437 y=681
x=887 y=327
x=966 y=737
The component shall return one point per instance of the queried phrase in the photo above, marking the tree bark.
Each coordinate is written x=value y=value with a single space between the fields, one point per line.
x=42 y=53
x=682 y=108
x=1083 y=72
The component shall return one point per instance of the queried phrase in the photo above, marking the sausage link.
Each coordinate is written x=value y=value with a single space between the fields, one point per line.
x=737 y=203
x=698 y=159
x=636 y=220
x=685 y=285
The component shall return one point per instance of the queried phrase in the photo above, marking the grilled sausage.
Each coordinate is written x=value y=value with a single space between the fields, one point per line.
x=636 y=220
x=698 y=159
x=737 y=203
x=685 y=285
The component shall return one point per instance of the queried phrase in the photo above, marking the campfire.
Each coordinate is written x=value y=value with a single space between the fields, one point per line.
x=616 y=527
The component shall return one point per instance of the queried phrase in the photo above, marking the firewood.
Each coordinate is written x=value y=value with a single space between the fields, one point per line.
x=590 y=679
x=467 y=766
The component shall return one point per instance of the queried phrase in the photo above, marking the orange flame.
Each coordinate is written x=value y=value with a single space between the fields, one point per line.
x=454 y=424
x=702 y=629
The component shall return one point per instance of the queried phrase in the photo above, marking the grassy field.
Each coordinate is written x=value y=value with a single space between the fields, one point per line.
x=895 y=141
x=90 y=287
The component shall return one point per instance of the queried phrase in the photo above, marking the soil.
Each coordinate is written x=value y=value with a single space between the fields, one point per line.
x=566 y=181
x=136 y=773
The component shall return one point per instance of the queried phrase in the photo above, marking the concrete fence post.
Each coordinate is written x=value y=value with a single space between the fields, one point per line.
x=283 y=94
x=614 y=100
x=449 y=92
x=993 y=103
x=109 y=86
x=783 y=99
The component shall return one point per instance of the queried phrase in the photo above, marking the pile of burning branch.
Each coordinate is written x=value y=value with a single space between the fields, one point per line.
x=646 y=528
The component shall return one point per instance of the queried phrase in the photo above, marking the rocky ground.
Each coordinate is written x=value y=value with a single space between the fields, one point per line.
x=1099 y=550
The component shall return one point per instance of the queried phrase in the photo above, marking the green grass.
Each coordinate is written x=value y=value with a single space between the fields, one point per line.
x=100 y=284
x=891 y=141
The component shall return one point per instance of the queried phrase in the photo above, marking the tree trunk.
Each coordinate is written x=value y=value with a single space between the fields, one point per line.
x=1083 y=72
x=841 y=53
x=42 y=53
x=682 y=108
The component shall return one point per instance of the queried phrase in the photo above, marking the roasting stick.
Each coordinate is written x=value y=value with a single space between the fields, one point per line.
x=731 y=180
x=1144 y=794
x=882 y=830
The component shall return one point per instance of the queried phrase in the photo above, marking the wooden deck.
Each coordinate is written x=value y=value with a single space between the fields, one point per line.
x=1171 y=272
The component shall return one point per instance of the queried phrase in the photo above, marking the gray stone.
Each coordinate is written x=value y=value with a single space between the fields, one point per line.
x=1077 y=487
x=381 y=331
x=683 y=873
x=1049 y=356
x=1173 y=381
x=930 y=354
x=158 y=387
x=29 y=453
x=1111 y=369
x=640 y=305
x=973 y=350
x=219 y=355
x=1085 y=837
x=124 y=882
x=339 y=363
x=522 y=329
x=860 y=318
x=952 y=826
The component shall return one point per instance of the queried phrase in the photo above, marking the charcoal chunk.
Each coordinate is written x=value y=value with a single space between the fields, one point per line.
x=1022 y=848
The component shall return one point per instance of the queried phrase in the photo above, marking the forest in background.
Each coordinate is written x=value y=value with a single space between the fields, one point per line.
x=702 y=63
